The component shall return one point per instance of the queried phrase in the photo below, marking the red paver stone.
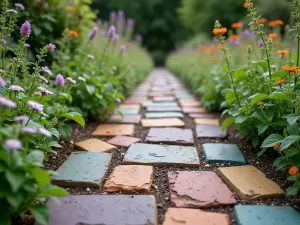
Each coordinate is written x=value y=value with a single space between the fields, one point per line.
x=123 y=141
x=198 y=189
x=164 y=109
x=193 y=110
x=126 y=119
x=164 y=99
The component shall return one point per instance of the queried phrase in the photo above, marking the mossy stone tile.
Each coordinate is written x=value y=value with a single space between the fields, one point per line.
x=266 y=215
x=249 y=182
x=128 y=111
x=104 y=210
x=114 y=130
x=125 y=119
x=95 y=145
x=161 y=155
x=210 y=131
x=164 y=115
x=83 y=169
x=166 y=122
x=223 y=153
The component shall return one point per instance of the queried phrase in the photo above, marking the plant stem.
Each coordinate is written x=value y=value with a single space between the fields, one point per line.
x=298 y=50
x=267 y=53
x=105 y=48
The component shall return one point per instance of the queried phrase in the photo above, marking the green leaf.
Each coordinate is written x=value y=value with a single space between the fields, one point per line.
x=292 y=191
x=5 y=218
x=261 y=152
x=15 y=179
x=258 y=97
x=230 y=97
x=76 y=117
x=279 y=96
x=278 y=75
x=241 y=119
x=66 y=96
x=55 y=144
x=53 y=190
x=227 y=122
x=292 y=118
x=15 y=199
x=35 y=157
x=65 y=130
x=90 y=89
x=288 y=141
x=271 y=140
x=254 y=141
x=54 y=132
x=40 y=213
x=41 y=176
x=262 y=128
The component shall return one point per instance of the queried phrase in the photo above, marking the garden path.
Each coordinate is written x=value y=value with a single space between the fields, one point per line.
x=165 y=161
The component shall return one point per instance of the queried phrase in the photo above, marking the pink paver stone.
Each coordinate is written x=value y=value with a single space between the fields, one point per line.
x=164 y=99
x=164 y=109
x=198 y=189
x=193 y=110
x=125 y=119
x=123 y=141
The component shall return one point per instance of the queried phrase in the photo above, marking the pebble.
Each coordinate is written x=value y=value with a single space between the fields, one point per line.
x=122 y=154
x=87 y=189
x=155 y=187
x=207 y=165
x=166 y=198
x=159 y=206
x=72 y=142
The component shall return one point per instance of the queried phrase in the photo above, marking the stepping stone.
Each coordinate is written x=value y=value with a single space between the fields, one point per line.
x=164 y=109
x=164 y=99
x=161 y=104
x=160 y=89
x=193 y=110
x=170 y=136
x=141 y=98
x=161 y=155
x=184 y=97
x=181 y=216
x=114 y=130
x=83 y=169
x=128 y=111
x=130 y=179
x=176 y=85
x=164 y=115
x=191 y=100
x=125 y=119
x=266 y=215
x=135 y=101
x=249 y=182
x=198 y=189
x=143 y=94
x=170 y=122
x=221 y=153
x=210 y=131
x=209 y=121
x=95 y=145
x=123 y=141
x=190 y=104
x=130 y=106
x=160 y=94
x=204 y=115
x=103 y=209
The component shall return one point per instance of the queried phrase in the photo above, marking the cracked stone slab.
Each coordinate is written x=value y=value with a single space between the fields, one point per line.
x=83 y=169
x=123 y=141
x=170 y=136
x=223 y=153
x=198 y=189
x=130 y=106
x=150 y=154
x=164 y=99
x=125 y=119
x=130 y=179
x=164 y=115
x=114 y=130
x=128 y=111
x=180 y=216
x=249 y=182
x=104 y=210
x=95 y=145
x=266 y=215
x=168 y=122
x=164 y=109
x=210 y=131
x=193 y=110
x=209 y=121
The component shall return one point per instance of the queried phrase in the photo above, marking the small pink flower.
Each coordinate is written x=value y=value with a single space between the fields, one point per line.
x=15 y=88
x=46 y=70
x=13 y=144
x=71 y=80
x=45 y=132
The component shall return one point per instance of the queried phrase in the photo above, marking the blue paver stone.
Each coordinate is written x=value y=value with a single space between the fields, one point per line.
x=164 y=115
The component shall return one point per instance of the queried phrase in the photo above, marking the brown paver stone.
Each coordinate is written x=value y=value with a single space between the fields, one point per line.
x=130 y=179
x=130 y=106
x=170 y=122
x=180 y=216
x=198 y=189
x=209 y=121
x=114 y=130
x=193 y=110
x=170 y=136
x=189 y=100
x=164 y=109
x=95 y=145
x=123 y=141
x=249 y=182
x=125 y=119
x=164 y=99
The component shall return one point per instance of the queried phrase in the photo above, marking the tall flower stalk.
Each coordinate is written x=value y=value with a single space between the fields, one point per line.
x=296 y=27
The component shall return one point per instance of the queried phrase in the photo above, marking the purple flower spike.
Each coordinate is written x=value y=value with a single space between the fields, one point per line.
x=113 y=16
x=13 y=144
x=120 y=14
x=139 y=37
x=115 y=38
x=21 y=118
x=260 y=43
x=45 y=132
x=7 y=103
x=35 y=106
x=60 y=80
x=29 y=130
x=122 y=48
x=15 y=88
x=27 y=45
x=26 y=29
x=20 y=6
x=44 y=79
x=111 y=32
x=3 y=42
x=94 y=33
x=46 y=70
x=11 y=11
x=2 y=82
x=51 y=47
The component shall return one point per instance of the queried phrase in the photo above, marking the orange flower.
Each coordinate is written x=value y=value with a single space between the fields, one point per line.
x=293 y=69
x=283 y=52
x=279 y=82
x=73 y=9
x=219 y=31
x=196 y=53
x=272 y=24
x=279 y=22
x=215 y=58
x=236 y=25
x=203 y=47
x=293 y=170
x=276 y=42
x=276 y=146
x=260 y=103
x=272 y=35
x=261 y=20
x=73 y=33
x=234 y=37
x=205 y=62
x=248 y=5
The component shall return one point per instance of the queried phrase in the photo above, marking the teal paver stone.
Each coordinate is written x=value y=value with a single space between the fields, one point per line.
x=148 y=154
x=140 y=94
x=128 y=111
x=164 y=115
x=160 y=104
x=83 y=169
x=266 y=215
x=184 y=96
x=217 y=152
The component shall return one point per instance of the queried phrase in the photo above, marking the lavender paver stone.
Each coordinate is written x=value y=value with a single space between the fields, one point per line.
x=83 y=169
x=210 y=131
x=164 y=115
x=161 y=104
x=104 y=210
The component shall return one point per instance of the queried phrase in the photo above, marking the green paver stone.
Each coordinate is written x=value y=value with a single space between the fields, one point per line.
x=83 y=169
x=217 y=152
x=164 y=115
x=266 y=215
x=128 y=111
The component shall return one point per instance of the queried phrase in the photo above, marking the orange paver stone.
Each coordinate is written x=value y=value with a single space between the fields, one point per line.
x=190 y=104
x=114 y=130
x=130 y=179
x=170 y=122
x=193 y=110
x=129 y=106
x=95 y=145
x=180 y=216
x=208 y=121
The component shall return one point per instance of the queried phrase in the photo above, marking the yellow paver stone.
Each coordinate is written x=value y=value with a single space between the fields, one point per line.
x=170 y=122
x=114 y=130
x=95 y=145
x=208 y=121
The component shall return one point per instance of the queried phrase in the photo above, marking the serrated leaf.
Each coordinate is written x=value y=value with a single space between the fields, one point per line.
x=241 y=119
x=55 y=144
x=15 y=179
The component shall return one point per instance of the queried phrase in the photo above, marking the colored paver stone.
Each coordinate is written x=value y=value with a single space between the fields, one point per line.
x=184 y=96
x=125 y=119
x=128 y=111
x=204 y=115
x=209 y=121
x=114 y=130
x=164 y=99
x=266 y=215
x=164 y=115
x=170 y=122
x=170 y=136
x=198 y=189
x=217 y=152
x=249 y=182
x=210 y=131
x=142 y=94
x=83 y=169
x=193 y=110
x=161 y=155
x=180 y=216
x=160 y=94
x=104 y=210
x=190 y=104
x=95 y=145
x=123 y=141
x=164 y=109
x=129 y=106
x=130 y=179
x=162 y=104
